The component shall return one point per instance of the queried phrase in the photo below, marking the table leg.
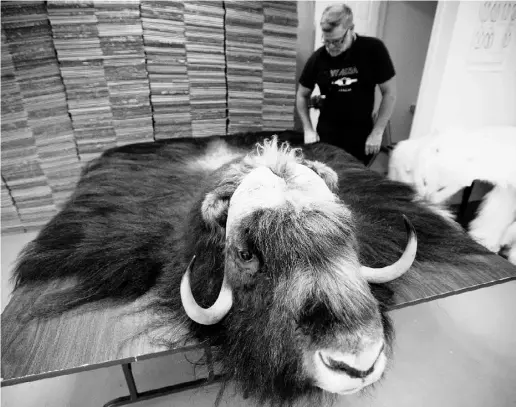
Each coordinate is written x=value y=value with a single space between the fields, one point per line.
x=135 y=396
x=209 y=362
x=129 y=379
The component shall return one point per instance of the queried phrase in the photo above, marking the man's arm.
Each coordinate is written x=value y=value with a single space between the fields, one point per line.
x=302 y=96
x=388 y=90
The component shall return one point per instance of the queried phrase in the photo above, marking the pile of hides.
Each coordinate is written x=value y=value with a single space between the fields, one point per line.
x=442 y=163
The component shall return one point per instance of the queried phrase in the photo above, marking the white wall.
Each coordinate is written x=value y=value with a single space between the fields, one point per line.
x=463 y=84
x=406 y=33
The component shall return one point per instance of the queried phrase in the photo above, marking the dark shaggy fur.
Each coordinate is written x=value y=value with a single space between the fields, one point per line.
x=134 y=223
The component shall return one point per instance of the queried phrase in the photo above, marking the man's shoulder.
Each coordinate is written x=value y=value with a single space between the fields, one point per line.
x=313 y=65
x=317 y=57
x=318 y=53
x=368 y=42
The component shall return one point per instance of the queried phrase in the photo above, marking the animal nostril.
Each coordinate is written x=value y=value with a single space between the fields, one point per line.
x=350 y=371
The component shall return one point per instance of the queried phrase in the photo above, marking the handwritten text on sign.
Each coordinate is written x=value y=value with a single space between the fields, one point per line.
x=494 y=33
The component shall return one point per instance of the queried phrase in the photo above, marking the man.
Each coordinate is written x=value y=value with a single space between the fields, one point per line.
x=347 y=69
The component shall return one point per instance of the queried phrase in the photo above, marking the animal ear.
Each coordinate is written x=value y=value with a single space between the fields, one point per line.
x=215 y=209
x=328 y=175
x=215 y=206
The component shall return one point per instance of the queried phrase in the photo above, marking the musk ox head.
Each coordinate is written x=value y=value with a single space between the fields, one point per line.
x=296 y=309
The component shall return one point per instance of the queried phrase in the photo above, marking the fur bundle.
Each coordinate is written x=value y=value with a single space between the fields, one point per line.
x=440 y=165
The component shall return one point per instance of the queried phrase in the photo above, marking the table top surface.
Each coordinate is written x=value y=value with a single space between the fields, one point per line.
x=84 y=340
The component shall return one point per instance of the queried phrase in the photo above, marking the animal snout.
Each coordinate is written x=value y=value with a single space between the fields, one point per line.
x=356 y=365
x=347 y=372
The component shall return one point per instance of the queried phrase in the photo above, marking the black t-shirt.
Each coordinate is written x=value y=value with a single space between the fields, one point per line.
x=348 y=81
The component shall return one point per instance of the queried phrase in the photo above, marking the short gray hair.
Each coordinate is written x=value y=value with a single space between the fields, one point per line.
x=335 y=15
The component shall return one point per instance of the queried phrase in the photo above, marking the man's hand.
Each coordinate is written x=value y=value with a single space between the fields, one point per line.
x=374 y=142
x=311 y=136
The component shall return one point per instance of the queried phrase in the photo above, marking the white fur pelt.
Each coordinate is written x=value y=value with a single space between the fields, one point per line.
x=402 y=160
x=508 y=243
x=496 y=214
x=441 y=164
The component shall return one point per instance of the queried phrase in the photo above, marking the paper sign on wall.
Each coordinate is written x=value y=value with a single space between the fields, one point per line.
x=494 y=34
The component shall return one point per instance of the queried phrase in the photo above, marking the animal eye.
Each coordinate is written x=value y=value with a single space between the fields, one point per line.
x=245 y=255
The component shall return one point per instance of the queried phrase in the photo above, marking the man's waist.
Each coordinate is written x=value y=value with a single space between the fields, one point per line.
x=352 y=120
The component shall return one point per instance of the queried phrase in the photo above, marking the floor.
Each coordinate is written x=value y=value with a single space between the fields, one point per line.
x=455 y=352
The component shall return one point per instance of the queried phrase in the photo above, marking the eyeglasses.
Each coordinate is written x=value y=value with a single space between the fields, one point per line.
x=337 y=42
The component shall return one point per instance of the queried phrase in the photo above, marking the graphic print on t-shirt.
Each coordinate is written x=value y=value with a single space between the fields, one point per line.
x=342 y=79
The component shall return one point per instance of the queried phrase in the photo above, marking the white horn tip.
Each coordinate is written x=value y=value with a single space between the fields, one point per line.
x=396 y=270
x=204 y=316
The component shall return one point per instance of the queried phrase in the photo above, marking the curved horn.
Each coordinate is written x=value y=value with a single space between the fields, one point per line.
x=389 y=273
x=205 y=316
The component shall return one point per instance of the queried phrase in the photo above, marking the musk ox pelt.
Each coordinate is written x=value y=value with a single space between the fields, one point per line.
x=275 y=255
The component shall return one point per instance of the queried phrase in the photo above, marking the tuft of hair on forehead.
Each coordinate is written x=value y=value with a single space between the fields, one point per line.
x=277 y=157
